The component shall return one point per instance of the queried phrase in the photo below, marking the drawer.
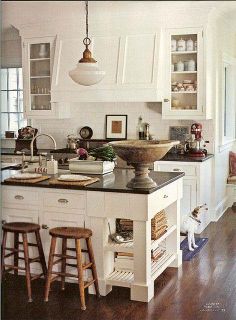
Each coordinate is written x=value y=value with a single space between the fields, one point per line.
x=190 y=170
x=164 y=197
x=65 y=200
x=20 y=196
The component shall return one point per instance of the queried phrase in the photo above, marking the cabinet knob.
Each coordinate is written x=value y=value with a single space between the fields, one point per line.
x=3 y=221
x=176 y=169
x=63 y=200
x=166 y=100
x=19 y=197
x=165 y=196
x=44 y=226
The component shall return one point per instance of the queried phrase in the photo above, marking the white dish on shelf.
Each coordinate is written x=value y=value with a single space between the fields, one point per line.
x=26 y=176
x=73 y=177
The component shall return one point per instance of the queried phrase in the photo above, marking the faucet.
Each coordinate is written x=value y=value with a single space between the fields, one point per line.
x=34 y=138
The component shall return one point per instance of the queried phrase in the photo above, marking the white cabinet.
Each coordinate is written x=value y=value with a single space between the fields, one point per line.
x=184 y=75
x=196 y=187
x=131 y=63
x=37 y=64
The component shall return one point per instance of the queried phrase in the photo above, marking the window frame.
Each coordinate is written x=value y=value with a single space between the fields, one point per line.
x=18 y=90
x=227 y=63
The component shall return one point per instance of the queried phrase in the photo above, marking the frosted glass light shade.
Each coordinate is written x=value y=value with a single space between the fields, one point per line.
x=87 y=74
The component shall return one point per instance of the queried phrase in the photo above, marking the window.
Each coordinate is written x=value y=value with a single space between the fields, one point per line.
x=228 y=107
x=12 y=117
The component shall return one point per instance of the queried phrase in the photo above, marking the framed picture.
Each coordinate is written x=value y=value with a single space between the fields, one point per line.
x=116 y=126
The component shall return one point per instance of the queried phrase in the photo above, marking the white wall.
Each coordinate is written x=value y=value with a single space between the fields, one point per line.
x=93 y=115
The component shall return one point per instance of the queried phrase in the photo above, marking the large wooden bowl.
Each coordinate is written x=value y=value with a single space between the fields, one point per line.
x=140 y=154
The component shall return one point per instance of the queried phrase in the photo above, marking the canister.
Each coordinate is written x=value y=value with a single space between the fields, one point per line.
x=181 y=45
x=189 y=45
x=191 y=65
x=180 y=66
x=173 y=45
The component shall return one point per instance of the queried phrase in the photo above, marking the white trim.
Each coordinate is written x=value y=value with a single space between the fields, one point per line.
x=226 y=145
x=220 y=209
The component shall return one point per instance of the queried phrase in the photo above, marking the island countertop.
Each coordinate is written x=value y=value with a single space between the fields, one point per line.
x=111 y=182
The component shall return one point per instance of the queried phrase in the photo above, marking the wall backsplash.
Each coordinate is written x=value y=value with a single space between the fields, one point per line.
x=93 y=115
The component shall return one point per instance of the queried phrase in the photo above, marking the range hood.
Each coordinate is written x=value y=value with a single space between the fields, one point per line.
x=131 y=62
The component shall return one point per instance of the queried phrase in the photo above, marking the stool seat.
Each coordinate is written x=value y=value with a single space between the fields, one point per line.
x=70 y=232
x=21 y=227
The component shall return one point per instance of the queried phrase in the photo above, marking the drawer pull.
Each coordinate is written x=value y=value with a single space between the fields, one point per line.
x=176 y=169
x=3 y=221
x=44 y=226
x=166 y=100
x=165 y=196
x=19 y=197
x=63 y=200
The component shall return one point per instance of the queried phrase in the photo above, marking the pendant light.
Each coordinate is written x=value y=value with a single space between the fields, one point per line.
x=87 y=71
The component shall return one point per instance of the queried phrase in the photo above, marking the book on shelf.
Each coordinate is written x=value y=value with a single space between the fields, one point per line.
x=124 y=264
x=124 y=254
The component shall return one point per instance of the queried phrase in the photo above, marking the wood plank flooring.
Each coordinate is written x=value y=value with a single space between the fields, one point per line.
x=203 y=289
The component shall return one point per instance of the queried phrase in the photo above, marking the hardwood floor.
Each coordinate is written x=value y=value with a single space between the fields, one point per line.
x=203 y=289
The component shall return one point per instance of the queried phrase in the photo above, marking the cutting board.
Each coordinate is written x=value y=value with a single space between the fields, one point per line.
x=26 y=181
x=85 y=183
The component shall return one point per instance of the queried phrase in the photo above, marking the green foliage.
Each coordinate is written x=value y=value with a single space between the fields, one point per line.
x=104 y=153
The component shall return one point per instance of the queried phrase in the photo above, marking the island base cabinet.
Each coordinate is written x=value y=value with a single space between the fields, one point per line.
x=94 y=210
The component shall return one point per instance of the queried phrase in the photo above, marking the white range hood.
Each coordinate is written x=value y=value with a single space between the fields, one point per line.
x=131 y=63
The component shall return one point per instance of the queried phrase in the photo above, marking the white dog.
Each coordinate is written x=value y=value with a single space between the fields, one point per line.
x=190 y=225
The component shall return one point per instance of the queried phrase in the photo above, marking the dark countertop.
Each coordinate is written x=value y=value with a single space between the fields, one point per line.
x=10 y=152
x=167 y=157
x=185 y=157
x=111 y=182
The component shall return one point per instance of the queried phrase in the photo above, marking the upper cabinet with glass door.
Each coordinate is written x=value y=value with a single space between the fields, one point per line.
x=183 y=95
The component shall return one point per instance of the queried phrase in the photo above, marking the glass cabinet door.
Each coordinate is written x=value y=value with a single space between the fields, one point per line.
x=184 y=69
x=40 y=76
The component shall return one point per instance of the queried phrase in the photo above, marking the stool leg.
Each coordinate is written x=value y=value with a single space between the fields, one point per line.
x=16 y=254
x=50 y=266
x=63 y=264
x=80 y=273
x=41 y=253
x=94 y=270
x=4 y=240
x=27 y=265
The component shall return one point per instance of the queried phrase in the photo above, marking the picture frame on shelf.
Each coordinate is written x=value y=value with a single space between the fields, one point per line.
x=116 y=126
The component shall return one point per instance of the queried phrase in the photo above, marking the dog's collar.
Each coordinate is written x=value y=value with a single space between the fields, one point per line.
x=195 y=219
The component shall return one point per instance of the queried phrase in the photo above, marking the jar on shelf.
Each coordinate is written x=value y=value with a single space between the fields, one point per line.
x=173 y=45
x=42 y=50
x=180 y=66
x=181 y=45
x=195 y=45
x=186 y=65
x=189 y=45
x=191 y=65
x=172 y=67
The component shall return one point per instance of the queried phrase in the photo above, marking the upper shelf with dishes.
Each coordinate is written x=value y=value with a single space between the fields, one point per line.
x=184 y=73
x=40 y=76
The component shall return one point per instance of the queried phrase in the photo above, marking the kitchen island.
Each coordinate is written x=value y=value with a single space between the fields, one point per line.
x=96 y=205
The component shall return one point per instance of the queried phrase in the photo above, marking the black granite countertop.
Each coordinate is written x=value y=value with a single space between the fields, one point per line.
x=10 y=152
x=185 y=157
x=111 y=182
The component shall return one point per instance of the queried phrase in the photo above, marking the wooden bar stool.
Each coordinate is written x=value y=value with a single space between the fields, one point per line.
x=23 y=228
x=71 y=233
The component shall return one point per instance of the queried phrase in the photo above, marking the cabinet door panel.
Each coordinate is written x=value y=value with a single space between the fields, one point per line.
x=139 y=58
x=188 y=202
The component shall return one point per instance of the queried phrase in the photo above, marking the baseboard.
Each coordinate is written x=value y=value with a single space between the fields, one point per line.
x=220 y=209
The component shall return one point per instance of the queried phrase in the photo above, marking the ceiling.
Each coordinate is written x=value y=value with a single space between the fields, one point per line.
x=55 y=10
